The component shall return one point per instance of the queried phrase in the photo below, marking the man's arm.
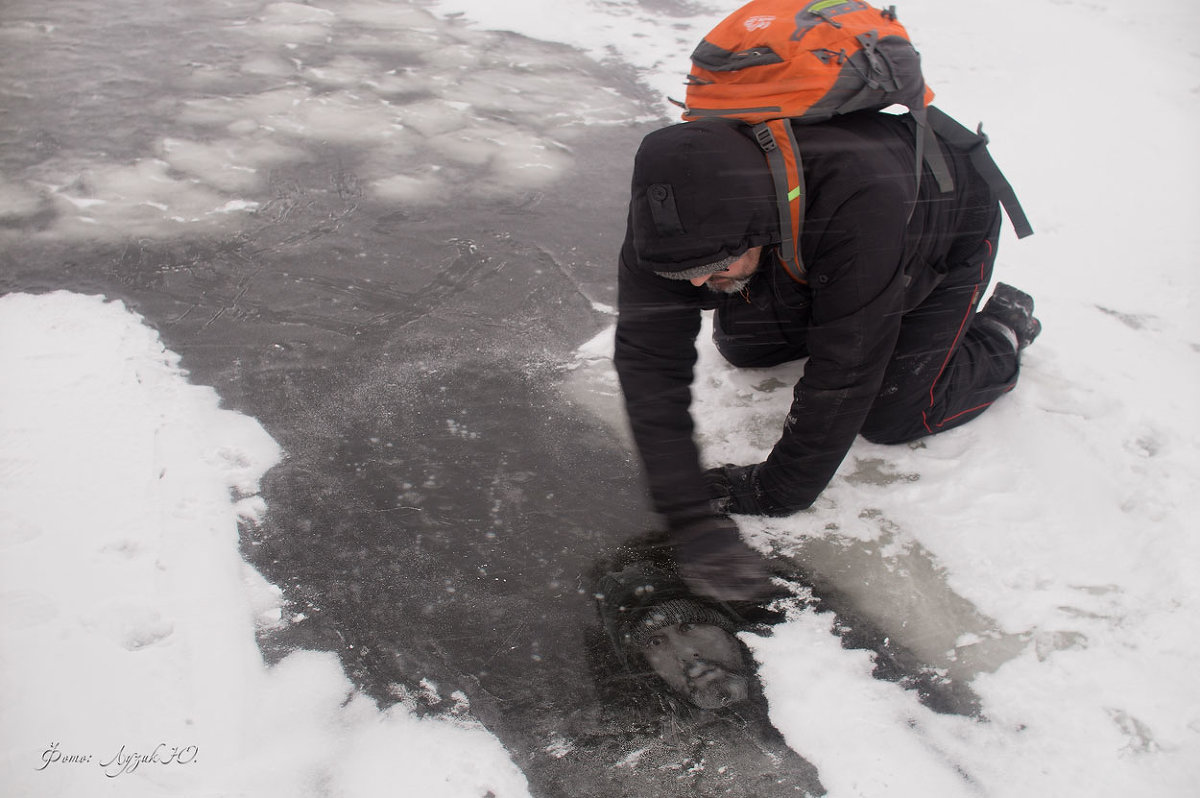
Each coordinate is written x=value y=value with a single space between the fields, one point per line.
x=655 y=356
x=857 y=279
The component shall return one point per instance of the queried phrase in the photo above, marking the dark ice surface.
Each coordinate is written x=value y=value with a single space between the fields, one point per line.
x=441 y=498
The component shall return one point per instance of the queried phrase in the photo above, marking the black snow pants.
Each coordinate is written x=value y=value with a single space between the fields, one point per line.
x=944 y=371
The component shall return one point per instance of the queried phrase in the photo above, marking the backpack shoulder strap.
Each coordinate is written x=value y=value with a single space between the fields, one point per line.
x=975 y=145
x=783 y=157
x=929 y=151
x=787 y=172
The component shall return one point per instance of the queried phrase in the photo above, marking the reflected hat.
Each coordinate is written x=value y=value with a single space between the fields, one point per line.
x=671 y=613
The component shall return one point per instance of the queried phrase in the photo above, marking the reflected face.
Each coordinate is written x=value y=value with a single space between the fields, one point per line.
x=734 y=278
x=701 y=662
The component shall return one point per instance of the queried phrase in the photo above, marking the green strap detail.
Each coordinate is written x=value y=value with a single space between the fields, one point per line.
x=816 y=8
x=789 y=245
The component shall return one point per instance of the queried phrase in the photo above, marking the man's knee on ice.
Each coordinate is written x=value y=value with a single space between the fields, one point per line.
x=894 y=428
x=753 y=355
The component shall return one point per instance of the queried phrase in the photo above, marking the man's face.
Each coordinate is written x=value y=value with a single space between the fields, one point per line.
x=734 y=278
x=699 y=661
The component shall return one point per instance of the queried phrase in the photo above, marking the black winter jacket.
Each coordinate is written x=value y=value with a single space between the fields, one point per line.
x=868 y=262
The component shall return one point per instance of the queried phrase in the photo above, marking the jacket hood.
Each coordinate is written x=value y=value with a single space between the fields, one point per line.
x=702 y=192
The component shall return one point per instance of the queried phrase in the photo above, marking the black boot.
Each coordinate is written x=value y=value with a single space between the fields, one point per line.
x=1012 y=309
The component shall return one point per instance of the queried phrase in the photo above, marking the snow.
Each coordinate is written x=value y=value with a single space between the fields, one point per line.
x=128 y=661
x=1062 y=519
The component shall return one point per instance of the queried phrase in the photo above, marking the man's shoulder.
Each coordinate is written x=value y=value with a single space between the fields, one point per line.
x=867 y=125
x=869 y=134
x=857 y=152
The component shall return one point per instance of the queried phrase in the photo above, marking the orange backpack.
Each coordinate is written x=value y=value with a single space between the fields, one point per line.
x=773 y=63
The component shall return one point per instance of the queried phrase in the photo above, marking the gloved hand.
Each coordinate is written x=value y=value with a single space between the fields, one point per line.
x=735 y=489
x=714 y=561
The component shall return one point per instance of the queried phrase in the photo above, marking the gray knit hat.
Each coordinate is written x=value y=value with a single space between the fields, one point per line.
x=670 y=613
x=701 y=271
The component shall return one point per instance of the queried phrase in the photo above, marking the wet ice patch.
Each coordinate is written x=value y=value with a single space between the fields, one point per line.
x=145 y=198
x=401 y=20
x=654 y=37
x=270 y=65
x=342 y=117
x=19 y=203
x=295 y=14
x=591 y=381
x=877 y=471
x=292 y=23
x=421 y=108
x=426 y=189
x=244 y=111
x=232 y=165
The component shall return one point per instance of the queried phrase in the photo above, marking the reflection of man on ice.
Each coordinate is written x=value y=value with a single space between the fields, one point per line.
x=655 y=625
x=676 y=682
x=887 y=318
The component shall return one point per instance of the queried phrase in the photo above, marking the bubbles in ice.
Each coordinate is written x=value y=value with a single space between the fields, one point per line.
x=460 y=431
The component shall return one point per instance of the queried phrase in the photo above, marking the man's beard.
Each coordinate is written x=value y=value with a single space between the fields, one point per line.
x=729 y=286
x=717 y=686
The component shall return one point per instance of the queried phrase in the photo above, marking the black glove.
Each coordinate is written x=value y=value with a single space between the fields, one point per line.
x=735 y=489
x=713 y=561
